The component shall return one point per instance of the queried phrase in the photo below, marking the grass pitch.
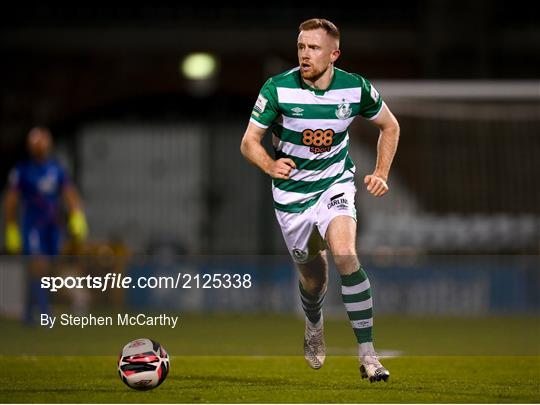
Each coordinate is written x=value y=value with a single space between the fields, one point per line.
x=247 y=359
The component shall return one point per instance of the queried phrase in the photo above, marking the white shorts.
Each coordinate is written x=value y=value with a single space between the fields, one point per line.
x=305 y=232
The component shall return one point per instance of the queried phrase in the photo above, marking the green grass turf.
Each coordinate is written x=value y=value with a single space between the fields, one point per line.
x=257 y=358
x=272 y=379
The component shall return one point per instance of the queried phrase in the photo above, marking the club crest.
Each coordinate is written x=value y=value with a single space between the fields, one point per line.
x=343 y=111
x=300 y=255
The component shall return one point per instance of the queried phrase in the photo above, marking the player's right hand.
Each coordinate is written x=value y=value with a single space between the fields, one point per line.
x=281 y=168
x=13 y=238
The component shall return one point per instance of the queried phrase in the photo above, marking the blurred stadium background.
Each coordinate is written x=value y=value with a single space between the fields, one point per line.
x=156 y=153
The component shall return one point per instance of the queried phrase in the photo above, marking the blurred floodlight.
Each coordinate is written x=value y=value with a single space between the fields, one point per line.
x=199 y=66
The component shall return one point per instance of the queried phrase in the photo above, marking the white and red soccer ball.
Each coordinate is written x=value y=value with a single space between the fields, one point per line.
x=143 y=364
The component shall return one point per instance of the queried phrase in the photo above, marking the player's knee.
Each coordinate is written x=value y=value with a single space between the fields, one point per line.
x=314 y=274
x=344 y=252
x=347 y=262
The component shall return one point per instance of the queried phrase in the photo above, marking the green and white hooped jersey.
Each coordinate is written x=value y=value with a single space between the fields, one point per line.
x=310 y=127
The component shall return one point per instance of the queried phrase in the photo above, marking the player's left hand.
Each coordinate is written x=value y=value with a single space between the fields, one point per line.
x=376 y=185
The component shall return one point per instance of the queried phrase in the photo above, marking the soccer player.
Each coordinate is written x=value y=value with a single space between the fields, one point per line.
x=309 y=109
x=38 y=185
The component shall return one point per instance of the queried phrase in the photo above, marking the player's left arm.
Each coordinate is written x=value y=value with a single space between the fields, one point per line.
x=77 y=224
x=388 y=125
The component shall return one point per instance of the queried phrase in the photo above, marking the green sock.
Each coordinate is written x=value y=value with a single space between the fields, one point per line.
x=311 y=305
x=356 y=294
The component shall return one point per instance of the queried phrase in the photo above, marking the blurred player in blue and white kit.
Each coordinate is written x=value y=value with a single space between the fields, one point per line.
x=39 y=185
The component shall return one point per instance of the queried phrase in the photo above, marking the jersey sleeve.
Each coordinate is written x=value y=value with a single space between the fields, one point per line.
x=370 y=101
x=265 y=110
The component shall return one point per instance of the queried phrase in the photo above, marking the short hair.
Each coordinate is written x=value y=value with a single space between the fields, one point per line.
x=315 y=23
x=40 y=128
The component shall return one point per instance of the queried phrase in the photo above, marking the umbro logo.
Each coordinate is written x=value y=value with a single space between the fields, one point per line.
x=297 y=111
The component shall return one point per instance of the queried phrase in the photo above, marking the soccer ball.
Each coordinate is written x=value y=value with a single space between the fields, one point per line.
x=143 y=364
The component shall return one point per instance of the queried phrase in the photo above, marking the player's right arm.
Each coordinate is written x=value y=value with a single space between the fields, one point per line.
x=255 y=153
x=13 y=237
x=265 y=111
